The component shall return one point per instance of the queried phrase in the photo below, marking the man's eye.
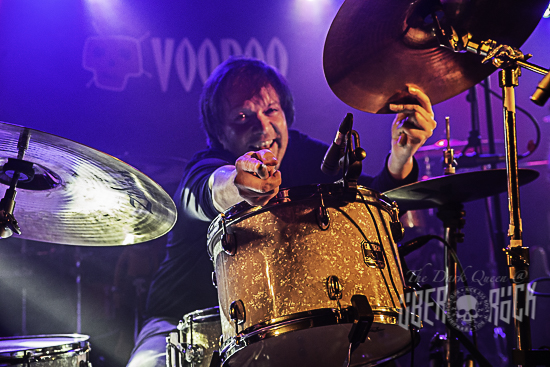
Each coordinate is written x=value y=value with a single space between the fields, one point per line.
x=270 y=111
x=240 y=117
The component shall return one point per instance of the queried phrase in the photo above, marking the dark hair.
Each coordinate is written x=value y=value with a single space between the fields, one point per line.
x=243 y=72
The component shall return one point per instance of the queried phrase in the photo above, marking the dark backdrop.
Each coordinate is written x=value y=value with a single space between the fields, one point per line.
x=124 y=77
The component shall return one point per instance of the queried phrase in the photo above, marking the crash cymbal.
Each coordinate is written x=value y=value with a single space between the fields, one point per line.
x=81 y=196
x=167 y=171
x=457 y=188
x=375 y=48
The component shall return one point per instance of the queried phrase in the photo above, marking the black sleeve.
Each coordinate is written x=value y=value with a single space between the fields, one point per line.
x=384 y=180
x=195 y=194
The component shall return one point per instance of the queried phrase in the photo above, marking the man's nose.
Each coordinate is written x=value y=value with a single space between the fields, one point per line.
x=264 y=123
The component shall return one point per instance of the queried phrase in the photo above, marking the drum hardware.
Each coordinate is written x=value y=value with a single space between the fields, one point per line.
x=449 y=162
x=214 y=280
x=452 y=216
x=323 y=218
x=510 y=60
x=17 y=169
x=229 y=243
x=237 y=314
x=334 y=291
x=334 y=288
x=362 y=322
x=174 y=344
x=396 y=227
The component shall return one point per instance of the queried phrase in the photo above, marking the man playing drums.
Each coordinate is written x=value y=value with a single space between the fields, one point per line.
x=247 y=109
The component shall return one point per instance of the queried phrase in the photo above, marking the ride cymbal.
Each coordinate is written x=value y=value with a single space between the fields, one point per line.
x=456 y=188
x=375 y=48
x=78 y=195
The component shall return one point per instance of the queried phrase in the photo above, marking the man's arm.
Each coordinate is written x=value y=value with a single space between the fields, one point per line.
x=413 y=125
x=254 y=179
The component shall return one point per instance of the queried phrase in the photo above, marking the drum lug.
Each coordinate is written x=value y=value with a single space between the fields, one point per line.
x=334 y=288
x=237 y=313
x=323 y=218
x=397 y=231
x=229 y=244
x=396 y=227
x=214 y=280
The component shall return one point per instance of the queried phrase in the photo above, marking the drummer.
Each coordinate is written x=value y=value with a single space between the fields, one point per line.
x=246 y=111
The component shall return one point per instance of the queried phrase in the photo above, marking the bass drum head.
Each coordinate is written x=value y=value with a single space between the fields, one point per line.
x=59 y=350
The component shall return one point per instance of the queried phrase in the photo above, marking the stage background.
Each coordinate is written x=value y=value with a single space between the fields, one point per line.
x=124 y=77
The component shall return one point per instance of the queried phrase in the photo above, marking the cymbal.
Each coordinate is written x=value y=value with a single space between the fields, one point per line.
x=457 y=188
x=167 y=171
x=375 y=48
x=81 y=196
x=436 y=149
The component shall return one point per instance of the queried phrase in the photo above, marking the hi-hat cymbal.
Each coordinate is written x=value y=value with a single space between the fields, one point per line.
x=436 y=149
x=375 y=48
x=81 y=196
x=458 y=188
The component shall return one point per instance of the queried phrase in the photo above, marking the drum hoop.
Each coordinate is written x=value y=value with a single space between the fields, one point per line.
x=77 y=346
x=302 y=321
x=382 y=315
x=243 y=210
x=204 y=315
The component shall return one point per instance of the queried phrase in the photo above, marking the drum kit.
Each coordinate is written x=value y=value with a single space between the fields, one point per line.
x=315 y=277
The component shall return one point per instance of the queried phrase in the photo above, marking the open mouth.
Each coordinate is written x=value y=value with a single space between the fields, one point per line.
x=268 y=144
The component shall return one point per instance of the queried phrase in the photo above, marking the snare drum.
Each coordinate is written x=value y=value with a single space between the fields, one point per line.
x=70 y=350
x=197 y=340
x=286 y=273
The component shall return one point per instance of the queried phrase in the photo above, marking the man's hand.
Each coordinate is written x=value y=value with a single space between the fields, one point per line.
x=254 y=179
x=257 y=179
x=412 y=126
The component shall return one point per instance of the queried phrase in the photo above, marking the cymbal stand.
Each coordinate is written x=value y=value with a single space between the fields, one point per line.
x=497 y=238
x=510 y=61
x=19 y=170
x=452 y=216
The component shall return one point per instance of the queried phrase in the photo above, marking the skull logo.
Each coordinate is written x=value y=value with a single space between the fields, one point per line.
x=466 y=308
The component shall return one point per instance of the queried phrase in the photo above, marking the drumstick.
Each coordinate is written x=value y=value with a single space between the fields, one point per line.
x=262 y=171
x=402 y=139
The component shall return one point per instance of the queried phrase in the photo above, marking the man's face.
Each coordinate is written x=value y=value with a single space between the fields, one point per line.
x=255 y=123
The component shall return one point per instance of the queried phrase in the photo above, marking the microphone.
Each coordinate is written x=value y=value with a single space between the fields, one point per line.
x=414 y=244
x=541 y=94
x=476 y=160
x=330 y=165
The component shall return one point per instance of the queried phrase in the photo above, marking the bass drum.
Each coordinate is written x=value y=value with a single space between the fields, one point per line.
x=70 y=350
x=286 y=273
x=197 y=341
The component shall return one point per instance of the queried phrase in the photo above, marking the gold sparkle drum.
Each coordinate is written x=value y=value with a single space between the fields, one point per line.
x=286 y=273
x=197 y=341
x=64 y=350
